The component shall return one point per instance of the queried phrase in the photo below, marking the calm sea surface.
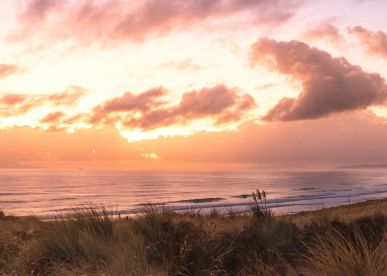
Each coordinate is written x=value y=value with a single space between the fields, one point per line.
x=49 y=192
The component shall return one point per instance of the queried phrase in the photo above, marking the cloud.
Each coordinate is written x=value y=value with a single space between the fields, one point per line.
x=220 y=103
x=152 y=110
x=128 y=103
x=53 y=117
x=149 y=111
x=375 y=42
x=38 y=9
x=107 y=21
x=327 y=142
x=18 y=104
x=12 y=99
x=68 y=97
x=325 y=30
x=329 y=85
x=186 y=64
x=8 y=69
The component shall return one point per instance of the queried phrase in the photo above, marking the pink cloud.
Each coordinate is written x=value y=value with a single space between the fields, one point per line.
x=375 y=42
x=128 y=103
x=148 y=110
x=326 y=31
x=329 y=84
x=221 y=103
x=107 y=21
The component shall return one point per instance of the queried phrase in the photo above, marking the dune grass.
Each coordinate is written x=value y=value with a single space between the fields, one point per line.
x=93 y=241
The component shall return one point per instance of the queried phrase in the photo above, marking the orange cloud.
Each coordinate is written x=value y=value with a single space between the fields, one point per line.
x=375 y=42
x=329 y=85
x=53 y=117
x=8 y=69
x=17 y=104
x=68 y=97
x=12 y=99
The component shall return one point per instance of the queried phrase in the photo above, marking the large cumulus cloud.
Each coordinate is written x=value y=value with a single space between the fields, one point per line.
x=329 y=84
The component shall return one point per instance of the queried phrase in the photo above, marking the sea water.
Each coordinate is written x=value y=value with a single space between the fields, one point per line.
x=50 y=192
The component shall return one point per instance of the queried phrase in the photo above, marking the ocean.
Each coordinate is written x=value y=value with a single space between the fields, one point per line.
x=48 y=193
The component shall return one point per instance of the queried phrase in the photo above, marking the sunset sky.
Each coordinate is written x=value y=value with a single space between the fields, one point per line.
x=193 y=84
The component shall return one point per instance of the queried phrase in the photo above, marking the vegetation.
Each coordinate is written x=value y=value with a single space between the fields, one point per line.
x=94 y=241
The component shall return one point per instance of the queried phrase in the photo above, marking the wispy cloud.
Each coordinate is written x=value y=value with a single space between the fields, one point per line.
x=18 y=104
x=110 y=21
x=325 y=31
x=375 y=42
x=8 y=69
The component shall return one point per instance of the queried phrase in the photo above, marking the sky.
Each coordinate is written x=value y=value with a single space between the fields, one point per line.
x=192 y=85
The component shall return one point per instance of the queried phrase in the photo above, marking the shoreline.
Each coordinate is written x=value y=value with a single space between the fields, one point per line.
x=353 y=207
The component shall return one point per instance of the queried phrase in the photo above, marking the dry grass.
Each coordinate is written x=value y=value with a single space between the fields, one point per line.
x=344 y=213
x=335 y=255
x=347 y=240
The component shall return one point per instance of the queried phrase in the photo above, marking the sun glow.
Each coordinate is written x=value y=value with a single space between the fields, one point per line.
x=151 y=156
x=136 y=135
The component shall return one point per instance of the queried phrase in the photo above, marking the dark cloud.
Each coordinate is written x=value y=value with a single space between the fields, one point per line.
x=375 y=42
x=329 y=85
